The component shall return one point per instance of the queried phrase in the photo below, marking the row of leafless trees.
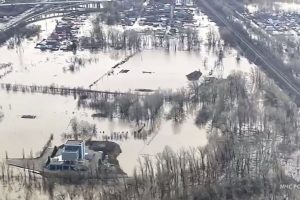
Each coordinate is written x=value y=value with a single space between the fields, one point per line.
x=251 y=124
x=241 y=160
x=103 y=37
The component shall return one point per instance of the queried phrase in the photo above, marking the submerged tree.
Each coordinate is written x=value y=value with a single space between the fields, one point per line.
x=81 y=129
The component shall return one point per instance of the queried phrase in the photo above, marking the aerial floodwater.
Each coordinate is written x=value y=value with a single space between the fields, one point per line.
x=31 y=66
x=134 y=91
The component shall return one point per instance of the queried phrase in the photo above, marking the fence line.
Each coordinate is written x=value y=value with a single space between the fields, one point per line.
x=54 y=90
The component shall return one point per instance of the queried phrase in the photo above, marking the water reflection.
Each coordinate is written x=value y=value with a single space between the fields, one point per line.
x=168 y=67
x=149 y=69
x=166 y=70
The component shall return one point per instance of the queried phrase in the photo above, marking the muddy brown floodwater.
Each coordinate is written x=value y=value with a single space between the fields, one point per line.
x=53 y=113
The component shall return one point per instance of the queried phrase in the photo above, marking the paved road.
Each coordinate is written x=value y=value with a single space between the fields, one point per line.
x=273 y=67
x=20 y=18
x=37 y=10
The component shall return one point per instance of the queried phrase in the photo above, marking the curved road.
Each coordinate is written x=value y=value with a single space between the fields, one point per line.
x=37 y=10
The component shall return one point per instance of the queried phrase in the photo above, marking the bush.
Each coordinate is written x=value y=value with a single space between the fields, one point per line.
x=203 y=116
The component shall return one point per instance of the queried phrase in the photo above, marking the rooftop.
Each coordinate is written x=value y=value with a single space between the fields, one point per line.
x=74 y=142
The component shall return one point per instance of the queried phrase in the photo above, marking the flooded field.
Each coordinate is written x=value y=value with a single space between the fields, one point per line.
x=30 y=134
x=149 y=69
x=168 y=68
x=46 y=68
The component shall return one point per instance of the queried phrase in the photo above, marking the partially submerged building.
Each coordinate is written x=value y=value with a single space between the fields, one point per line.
x=76 y=159
x=69 y=157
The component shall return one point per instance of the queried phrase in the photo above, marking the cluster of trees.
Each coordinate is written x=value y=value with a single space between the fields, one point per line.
x=79 y=62
x=131 y=107
x=252 y=126
x=102 y=38
x=18 y=34
x=110 y=15
x=251 y=130
x=80 y=129
x=187 y=39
